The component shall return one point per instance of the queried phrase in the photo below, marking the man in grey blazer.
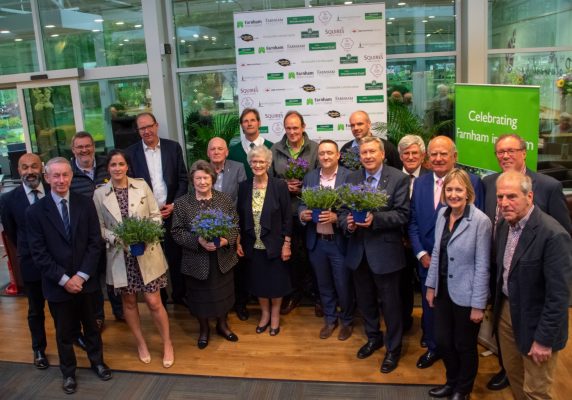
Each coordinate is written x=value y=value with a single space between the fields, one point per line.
x=229 y=173
x=375 y=252
x=534 y=267
x=510 y=151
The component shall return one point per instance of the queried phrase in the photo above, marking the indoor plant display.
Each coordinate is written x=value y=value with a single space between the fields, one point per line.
x=212 y=224
x=137 y=233
x=296 y=169
x=351 y=159
x=360 y=199
x=319 y=198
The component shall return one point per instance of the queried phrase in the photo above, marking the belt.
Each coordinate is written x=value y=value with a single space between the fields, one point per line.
x=328 y=238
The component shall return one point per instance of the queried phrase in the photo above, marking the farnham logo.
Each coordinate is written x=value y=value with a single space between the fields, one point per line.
x=270 y=49
x=249 y=23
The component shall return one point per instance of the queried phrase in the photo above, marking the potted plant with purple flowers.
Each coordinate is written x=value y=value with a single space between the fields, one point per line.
x=360 y=199
x=319 y=198
x=351 y=159
x=137 y=233
x=212 y=224
x=296 y=168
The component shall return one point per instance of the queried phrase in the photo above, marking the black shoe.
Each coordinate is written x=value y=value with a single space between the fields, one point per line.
x=499 y=381
x=40 y=360
x=290 y=304
x=389 y=362
x=274 y=331
x=80 y=342
x=260 y=329
x=69 y=385
x=460 y=396
x=318 y=310
x=427 y=359
x=102 y=371
x=203 y=341
x=241 y=312
x=231 y=337
x=367 y=349
x=441 y=391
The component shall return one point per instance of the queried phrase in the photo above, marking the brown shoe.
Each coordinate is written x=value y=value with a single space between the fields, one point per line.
x=345 y=332
x=327 y=330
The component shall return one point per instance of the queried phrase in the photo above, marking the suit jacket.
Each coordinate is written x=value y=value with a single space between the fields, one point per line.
x=538 y=282
x=469 y=250
x=195 y=261
x=424 y=215
x=57 y=256
x=142 y=204
x=233 y=174
x=548 y=196
x=236 y=153
x=312 y=179
x=174 y=170
x=15 y=204
x=275 y=220
x=391 y=154
x=381 y=243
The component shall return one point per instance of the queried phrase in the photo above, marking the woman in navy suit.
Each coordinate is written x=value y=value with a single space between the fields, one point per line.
x=265 y=235
x=457 y=283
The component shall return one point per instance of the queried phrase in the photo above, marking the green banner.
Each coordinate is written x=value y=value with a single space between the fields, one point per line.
x=484 y=112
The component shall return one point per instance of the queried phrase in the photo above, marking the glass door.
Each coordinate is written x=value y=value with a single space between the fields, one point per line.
x=51 y=114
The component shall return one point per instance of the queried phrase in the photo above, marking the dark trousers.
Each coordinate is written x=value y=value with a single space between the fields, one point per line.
x=456 y=337
x=375 y=292
x=334 y=281
x=241 y=283
x=407 y=285
x=67 y=315
x=173 y=254
x=427 y=318
x=36 y=316
x=301 y=274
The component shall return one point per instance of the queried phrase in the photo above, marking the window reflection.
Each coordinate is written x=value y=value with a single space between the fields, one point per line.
x=17 y=38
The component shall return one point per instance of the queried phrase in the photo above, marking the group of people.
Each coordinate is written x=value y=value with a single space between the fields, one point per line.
x=503 y=240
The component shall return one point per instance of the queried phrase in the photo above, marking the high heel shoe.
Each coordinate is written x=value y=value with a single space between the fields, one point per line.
x=260 y=329
x=168 y=363
x=274 y=331
x=145 y=360
x=231 y=337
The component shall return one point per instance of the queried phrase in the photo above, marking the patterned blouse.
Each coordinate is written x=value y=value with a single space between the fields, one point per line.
x=258 y=196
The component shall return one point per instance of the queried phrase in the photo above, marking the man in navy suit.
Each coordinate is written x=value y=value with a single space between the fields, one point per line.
x=161 y=163
x=65 y=241
x=425 y=205
x=327 y=246
x=15 y=204
x=510 y=151
x=375 y=252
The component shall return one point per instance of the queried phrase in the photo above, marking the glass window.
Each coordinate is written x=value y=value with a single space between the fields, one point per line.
x=92 y=34
x=110 y=108
x=17 y=38
x=12 y=143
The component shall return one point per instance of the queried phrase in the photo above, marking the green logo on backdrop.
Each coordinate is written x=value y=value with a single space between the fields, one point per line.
x=373 y=15
x=291 y=75
x=262 y=50
x=349 y=59
x=308 y=19
x=309 y=34
x=370 y=99
x=322 y=46
x=240 y=24
x=351 y=72
x=309 y=102
x=263 y=129
x=341 y=127
x=274 y=76
x=373 y=85
x=325 y=128
x=245 y=50
x=293 y=102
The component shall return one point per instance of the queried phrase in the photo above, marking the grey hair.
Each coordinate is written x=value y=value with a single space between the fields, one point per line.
x=260 y=151
x=410 y=140
x=372 y=139
x=523 y=180
x=56 y=160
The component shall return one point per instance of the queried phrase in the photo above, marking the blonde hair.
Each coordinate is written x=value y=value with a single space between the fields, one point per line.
x=463 y=178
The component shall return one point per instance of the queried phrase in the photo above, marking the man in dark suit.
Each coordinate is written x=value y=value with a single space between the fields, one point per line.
x=412 y=153
x=534 y=267
x=375 y=252
x=510 y=151
x=360 y=125
x=65 y=241
x=327 y=246
x=425 y=205
x=161 y=163
x=15 y=204
x=229 y=175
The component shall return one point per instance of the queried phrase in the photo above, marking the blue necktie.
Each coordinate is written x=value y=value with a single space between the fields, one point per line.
x=35 y=194
x=66 y=218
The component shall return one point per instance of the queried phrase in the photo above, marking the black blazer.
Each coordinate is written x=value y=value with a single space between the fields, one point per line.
x=538 y=282
x=174 y=171
x=15 y=204
x=54 y=254
x=276 y=218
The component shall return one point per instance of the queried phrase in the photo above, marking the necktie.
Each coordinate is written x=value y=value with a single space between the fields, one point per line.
x=370 y=180
x=66 y=217
x=411 y=179
x=35 y=194
x=252 y=145
x=437 y=197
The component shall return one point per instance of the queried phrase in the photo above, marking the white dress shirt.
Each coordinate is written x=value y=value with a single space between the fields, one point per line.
x=155 y=167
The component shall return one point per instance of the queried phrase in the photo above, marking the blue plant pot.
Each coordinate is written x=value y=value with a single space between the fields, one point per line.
x=216 y=242
x=316 y=215
x=359 y=216
x=137 y=249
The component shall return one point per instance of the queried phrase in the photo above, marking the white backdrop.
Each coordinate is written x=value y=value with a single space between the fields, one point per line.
x=325 y=62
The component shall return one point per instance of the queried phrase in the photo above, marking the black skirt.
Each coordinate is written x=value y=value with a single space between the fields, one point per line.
x=213 y=297
x=268 y=278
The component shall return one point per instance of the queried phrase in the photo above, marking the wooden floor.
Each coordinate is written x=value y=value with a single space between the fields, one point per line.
x=295 y=354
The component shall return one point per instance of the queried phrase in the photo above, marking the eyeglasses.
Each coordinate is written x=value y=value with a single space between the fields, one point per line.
x=258 y=163
x=145 y=128
x=510 y=152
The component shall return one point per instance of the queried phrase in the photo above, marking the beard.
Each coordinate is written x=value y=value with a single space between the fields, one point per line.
x=32 y=180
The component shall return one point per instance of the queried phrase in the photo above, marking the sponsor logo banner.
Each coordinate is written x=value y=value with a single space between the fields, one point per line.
x=351 y=72
x=349 y=59
x=325 y=128
x=306 y=19
x=373 y=85
x=292 y=102
x=309 y=34
x=245 y=50
x=370 y=99
x=373 y=15
x=272 y=76
x=322 y=46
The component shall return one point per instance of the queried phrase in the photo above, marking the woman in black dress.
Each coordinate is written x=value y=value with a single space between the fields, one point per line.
x=265 y=234
x=207 y=268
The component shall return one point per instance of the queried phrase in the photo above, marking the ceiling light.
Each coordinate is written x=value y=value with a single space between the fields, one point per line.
x=196 y=35
x=18 y=40
x=121 y=44
x=50 y=26
x=424 y=21
x=95 y=30
x=390 y=23
x=125 y=40
x=213 y=38
x=392 y=18
x=431 y=16
x=183 y=41
x=98 y=20
x=205 y=37
x=428 y=35
x=4 y=31
x=137 y=26
x=120 y=23
x=347 y=3
x=55 y=35
x=402 y=3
